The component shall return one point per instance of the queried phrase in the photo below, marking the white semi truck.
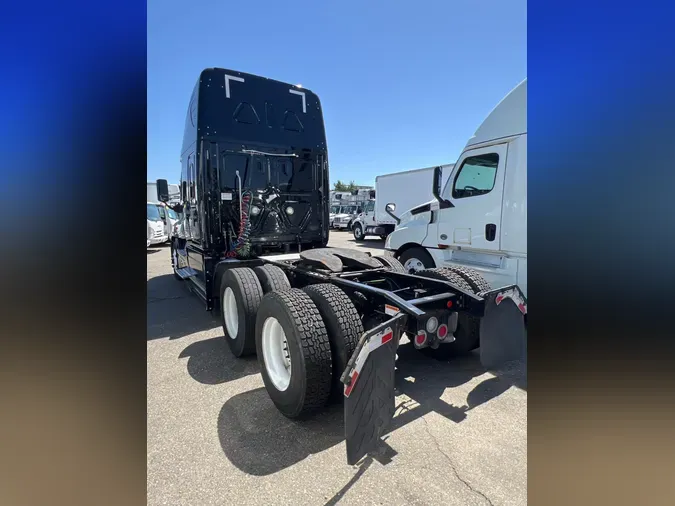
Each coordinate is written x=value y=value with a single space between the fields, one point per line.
x=405 y=189
x=478 y=218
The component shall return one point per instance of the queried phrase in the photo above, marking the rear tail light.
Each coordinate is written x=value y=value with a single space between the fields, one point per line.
x=421 y=338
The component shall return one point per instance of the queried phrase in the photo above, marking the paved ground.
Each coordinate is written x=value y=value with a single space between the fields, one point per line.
x=214 y=437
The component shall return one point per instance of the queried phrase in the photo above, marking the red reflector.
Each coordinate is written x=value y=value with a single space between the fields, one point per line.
x=420 y=338
x=443 y=246
x=449 y=303
x=387 y=337
x=442 y=331
x=350 y=387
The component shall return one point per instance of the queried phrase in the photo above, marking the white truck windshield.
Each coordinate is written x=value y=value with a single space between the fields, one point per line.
x=153 y=213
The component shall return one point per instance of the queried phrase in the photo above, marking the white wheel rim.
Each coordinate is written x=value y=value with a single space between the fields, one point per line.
x=357 y=232
x=230 y=313
x=276 y=354
x=413 y=265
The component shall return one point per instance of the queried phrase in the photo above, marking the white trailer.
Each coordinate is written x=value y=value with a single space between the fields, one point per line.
x=405 y=190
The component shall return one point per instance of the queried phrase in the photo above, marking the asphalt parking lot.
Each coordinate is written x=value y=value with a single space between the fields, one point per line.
x=459 y=436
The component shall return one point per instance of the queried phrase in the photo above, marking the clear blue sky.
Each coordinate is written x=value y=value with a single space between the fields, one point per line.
x=403 y=84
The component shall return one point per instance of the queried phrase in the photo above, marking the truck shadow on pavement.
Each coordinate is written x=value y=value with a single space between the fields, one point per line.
x=211 y=362
x=173 y=312
x=260 y=441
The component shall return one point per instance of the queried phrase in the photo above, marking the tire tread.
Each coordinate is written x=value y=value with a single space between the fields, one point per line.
x=472 y=277
x=272 y=278
x=344 y=324
x=251 y=295
x=390 y=262
x=315 y=346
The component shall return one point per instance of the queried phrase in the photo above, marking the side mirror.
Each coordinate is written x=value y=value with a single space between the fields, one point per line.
x=436 y=188
x=162 y=190
x=436 y=184
x=183 y=191
x=389 y=209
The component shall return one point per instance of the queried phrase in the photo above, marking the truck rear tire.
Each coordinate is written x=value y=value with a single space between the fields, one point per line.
x=472 y=277
x=358 y=232
x=390 y=262
x=343 y=325
x=240 y=295
x=416 y=259
x=272 y=278
x=293 y=352
x=467 y=335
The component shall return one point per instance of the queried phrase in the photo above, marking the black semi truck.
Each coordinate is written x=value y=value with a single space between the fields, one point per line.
x=325 y=323
x=254 y=173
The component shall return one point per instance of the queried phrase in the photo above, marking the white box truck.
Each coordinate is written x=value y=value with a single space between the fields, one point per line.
x=405 y=190
x=168 y=217
x=174 y=193
x=478 y=218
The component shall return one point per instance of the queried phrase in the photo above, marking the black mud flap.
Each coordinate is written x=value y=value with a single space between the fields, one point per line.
x=503 y=335
x=369 y=388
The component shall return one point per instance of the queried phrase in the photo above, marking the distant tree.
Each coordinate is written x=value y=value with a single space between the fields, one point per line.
x=350 y=187
x=339 y=186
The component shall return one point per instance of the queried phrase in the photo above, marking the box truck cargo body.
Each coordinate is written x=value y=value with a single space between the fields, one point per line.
x=405 y=190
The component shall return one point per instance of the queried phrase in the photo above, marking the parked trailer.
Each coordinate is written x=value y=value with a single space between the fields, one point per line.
x=325 y=323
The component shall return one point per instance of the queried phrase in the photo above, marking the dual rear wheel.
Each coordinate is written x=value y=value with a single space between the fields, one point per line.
x=303 y=338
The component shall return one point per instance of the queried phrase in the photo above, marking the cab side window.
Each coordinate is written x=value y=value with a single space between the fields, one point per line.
x=476 y=176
